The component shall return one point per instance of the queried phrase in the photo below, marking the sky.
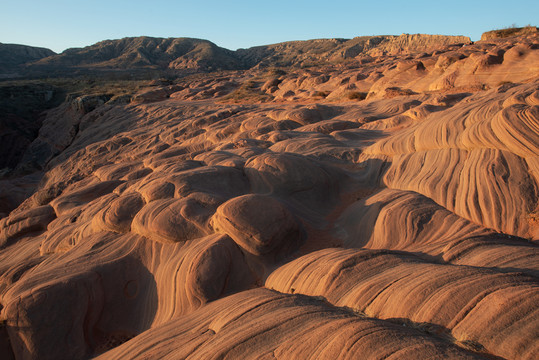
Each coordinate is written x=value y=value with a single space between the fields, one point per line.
x=62 y=24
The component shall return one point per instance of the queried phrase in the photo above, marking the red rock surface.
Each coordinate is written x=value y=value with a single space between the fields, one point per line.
x=385 y=208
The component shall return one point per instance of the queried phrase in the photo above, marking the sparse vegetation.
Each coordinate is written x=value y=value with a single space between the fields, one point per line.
x=356 y=95
x=83 y=85
x=471 y=346
x=275 y=72
x=425 y=327
x=504 y=83
x=510 y=31
x=249 y=91
x=322 y=94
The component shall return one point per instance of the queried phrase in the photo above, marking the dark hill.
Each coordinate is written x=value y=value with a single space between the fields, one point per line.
x=146 y=52
x=13 y=55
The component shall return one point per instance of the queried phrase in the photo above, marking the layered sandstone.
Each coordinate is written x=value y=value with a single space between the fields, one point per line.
x=387 y=207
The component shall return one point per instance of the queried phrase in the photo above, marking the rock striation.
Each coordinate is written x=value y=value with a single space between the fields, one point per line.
x=387 y=207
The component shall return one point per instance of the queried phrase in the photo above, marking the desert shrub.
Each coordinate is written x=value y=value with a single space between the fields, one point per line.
x=322 y=94
x=356 y=95
x=249 y=84
x=275 y=72
x=507 y=84
x=249 y=91
x=510 y=31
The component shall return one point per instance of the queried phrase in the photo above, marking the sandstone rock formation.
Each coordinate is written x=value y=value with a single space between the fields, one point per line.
x=384 y=207
x=510 y=32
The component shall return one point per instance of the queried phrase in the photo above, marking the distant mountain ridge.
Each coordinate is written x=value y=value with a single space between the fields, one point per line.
x=172 y=54
x=141 y=52
x=296 y=53
x=14 y=55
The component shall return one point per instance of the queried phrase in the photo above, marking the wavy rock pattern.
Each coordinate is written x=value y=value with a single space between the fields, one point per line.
x=404 y=220
x=461 y=186
x=259 y=224
x=107 y=279
x=391 y=285
x=391 y=202
x=482 y=164
x=263 y=324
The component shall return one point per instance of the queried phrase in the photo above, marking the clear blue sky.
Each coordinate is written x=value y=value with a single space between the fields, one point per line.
x=61 y=24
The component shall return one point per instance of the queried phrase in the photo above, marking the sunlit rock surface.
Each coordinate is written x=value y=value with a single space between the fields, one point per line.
x=382 y=208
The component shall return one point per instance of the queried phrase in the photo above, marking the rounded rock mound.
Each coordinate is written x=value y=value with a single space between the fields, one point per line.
x=260 y=224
